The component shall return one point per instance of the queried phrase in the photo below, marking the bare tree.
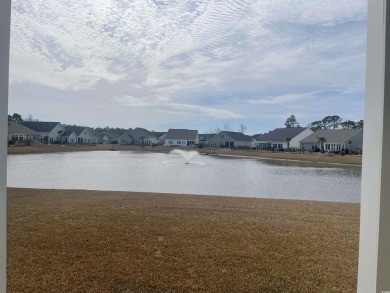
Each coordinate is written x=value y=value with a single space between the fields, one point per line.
x=226 y=127
x=242 y=128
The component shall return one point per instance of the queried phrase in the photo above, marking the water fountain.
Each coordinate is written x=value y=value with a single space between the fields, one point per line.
x=187 y=155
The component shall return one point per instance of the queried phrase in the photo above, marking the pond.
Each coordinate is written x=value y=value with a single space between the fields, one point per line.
x=168 y=173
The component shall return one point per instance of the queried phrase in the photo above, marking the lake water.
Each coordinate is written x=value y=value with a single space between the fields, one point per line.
x=168 y=173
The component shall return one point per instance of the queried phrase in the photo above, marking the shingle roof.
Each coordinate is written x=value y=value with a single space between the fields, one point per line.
x=112 y=135
x=334 y=136
x=280 y=134
x=76 y=129
x=40 y=126
x=238 y=136
x=14 y=127
x=182 y=134
x=147 y=132
x=205 y=137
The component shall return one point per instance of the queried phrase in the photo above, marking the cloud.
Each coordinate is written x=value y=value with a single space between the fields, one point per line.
x=282 y=99
x=199 y=57
x=171 y=107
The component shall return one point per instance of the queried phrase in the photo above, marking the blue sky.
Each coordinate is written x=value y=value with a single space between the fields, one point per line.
x=196 y=64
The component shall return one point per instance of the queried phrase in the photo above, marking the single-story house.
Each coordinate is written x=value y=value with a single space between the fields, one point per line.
x=181 y=137
x=69 y=136
x=334 y=140
x=84 y=134
x=50 y=132
x=279 y=137
x=204 y=139
x=230 y=139
x=110 y=137
x=97 y=137
x=125 y=138
x=19 y=133
x=142 y=136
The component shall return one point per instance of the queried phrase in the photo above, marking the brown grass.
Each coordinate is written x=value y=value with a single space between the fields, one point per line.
x=94 y=241
x=307 y=157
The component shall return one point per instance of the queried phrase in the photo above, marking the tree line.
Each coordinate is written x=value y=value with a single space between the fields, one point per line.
x=328 y=122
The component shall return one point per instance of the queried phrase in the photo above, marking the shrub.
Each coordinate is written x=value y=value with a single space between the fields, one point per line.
x=342 y=153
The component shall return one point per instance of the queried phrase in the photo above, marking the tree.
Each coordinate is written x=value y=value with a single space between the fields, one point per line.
x=321 y=140
x=359 y=124
x=350 y=147
x=330 y=122
x=317 y=125
x=291 y=122
x=242 y=128
x=15 y=117
x=226 y=127
x=288 y=139
x=349 y=124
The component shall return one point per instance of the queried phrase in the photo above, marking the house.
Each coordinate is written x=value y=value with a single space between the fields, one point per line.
x=125 y=138
x=230 y=139
x=204 y=139
x=69 y=137
x=97 y=137
x=84 y=134
x=334 y=140
x=181 y=137
x=19 y=133
x=141 y=136
x=50 y=132
x=278 y=138
x=110 y=137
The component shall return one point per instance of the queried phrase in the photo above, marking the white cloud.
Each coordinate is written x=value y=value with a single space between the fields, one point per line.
x=171 y=107
x=170 y=55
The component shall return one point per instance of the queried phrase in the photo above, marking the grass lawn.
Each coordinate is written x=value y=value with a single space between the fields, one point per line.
x=96 y=241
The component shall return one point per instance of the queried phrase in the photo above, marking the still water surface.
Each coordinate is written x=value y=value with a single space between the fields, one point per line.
x=168 y=173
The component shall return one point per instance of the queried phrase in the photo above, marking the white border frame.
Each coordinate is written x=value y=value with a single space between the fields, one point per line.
x=5 y=25
x=374 y=244
x=374 y=250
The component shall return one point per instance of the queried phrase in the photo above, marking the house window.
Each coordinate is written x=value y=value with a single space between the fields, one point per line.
x=178 y=142
x=274 y=145
x=280 y=145
x=327 y=146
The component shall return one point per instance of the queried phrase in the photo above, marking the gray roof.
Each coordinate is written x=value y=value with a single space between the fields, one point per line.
x=40 y=126
x=147 y=132
x=77 y=129
x=280 y=134
x=95 y=133
x=205 y=137
x=14 y=127
x=67 y=133
x=112 y=135
x=182 y=134
x=333 y=136
x=237 y=136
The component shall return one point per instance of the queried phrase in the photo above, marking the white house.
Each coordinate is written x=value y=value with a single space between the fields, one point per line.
x=334 y=140
x=84 y=135
x=279 y=137
x=69 y=137
x=181 y=138
x=50 y=132
x=125 y=138
x=19 y=133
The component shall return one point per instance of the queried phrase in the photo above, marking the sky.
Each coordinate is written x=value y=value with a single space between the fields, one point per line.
x=197 y=64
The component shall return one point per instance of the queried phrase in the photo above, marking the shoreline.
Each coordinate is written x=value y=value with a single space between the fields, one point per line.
x=355 y=160
x=99 y=241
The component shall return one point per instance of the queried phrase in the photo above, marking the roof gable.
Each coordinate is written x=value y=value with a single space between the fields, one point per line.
x=280 y=134
x=14 y=127
x=332 y=135
x=237 y=136
x=40 y=126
